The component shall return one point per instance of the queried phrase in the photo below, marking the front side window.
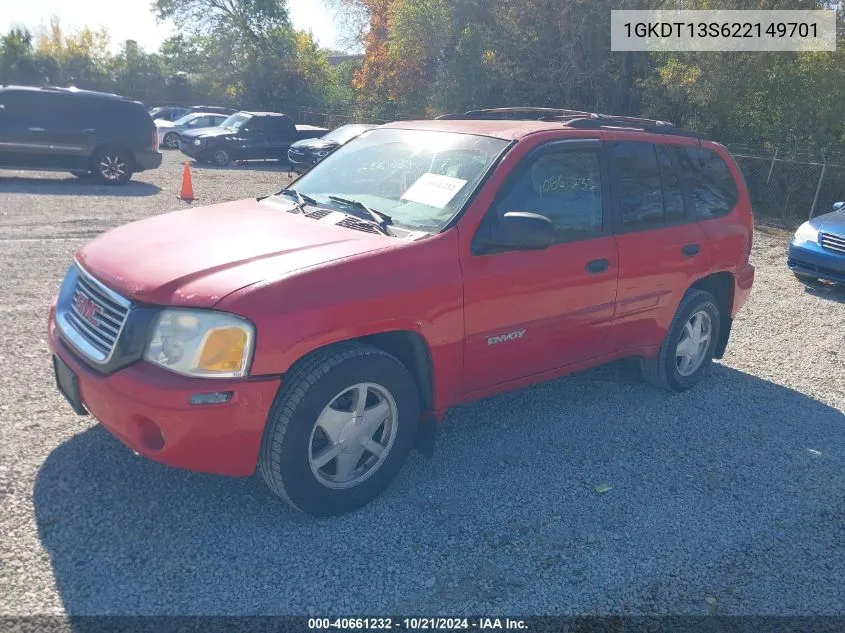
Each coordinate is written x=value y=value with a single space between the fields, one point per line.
x=565 y=186
x=236 y=121
x=421 y=179
x=638 y=181
x=712 y=187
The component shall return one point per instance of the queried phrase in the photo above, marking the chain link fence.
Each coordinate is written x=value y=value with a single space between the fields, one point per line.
x=791 y=186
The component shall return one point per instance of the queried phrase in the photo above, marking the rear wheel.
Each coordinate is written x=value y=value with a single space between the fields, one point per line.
x=171 y=140
x=688 y=348
x=340 y=429
x=112 y=166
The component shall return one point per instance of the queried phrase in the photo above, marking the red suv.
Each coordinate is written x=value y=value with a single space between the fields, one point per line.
x=321 y=333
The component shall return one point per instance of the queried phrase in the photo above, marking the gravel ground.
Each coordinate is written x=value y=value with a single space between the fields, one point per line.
x=728 y=497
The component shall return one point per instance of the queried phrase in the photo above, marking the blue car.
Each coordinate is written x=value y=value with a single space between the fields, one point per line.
x=817 y=252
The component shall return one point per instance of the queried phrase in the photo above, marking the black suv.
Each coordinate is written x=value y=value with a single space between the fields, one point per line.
x=87 y=133
x=246 y=136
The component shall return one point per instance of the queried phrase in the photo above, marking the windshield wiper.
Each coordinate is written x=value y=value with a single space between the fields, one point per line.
x=301 y=199
x=381 y=218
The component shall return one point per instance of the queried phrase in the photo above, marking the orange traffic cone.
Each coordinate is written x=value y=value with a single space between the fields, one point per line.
x=187 y=192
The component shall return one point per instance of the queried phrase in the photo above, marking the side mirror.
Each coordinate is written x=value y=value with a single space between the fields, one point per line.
x=838 y=206
x=519 y=230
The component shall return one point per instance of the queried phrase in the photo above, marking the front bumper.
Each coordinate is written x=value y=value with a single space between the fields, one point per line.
x=809 y=258
x=302 y=162
x=193 y=151
x=147 y=408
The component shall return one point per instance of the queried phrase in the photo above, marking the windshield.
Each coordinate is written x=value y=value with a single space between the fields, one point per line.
x=344 y=133
x=236 y=121
x=186 y=119
x=420 y=179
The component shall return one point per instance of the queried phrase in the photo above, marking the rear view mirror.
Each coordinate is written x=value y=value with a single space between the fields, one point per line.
x=837 y=206
x=520 y=230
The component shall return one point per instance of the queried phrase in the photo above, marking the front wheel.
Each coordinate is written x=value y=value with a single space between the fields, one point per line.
x=688 y=348
x=112 y=167
x=807 y=279
x=340 y=429
x=221 y=157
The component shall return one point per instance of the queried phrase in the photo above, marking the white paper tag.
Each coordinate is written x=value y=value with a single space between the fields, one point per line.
x=434 y=190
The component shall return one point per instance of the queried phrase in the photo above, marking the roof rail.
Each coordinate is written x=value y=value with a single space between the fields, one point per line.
x=524 y=113
x=575 y=119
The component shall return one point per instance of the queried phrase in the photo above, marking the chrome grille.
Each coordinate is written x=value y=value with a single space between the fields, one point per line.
x=96 y=314
x=832 y=242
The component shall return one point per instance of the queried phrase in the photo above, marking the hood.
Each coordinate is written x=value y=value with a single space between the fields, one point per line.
x=315 y=144
x=210 y=132
x=831 y=222
x=198 y=256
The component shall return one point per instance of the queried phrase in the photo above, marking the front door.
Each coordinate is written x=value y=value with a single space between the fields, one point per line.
x=527 y=312
x=254 y=144
x=24 y=137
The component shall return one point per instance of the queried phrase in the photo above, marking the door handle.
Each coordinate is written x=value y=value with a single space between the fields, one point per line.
x=597 y=266
x=36 y=129
x=88 y=130
x=691 y=249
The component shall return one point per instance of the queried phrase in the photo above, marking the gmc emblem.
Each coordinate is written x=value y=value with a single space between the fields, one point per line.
x=87 y=309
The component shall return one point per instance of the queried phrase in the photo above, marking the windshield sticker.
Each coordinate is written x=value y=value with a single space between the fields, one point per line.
x=434 y=190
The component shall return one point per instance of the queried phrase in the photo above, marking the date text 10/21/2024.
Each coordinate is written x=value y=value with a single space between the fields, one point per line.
x=416 y=624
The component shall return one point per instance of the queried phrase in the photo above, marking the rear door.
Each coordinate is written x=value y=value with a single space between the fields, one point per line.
x=73 y=122
x=527 y=312
x=662 y=248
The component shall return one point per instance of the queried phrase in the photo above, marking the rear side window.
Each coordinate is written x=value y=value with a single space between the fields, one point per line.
x=638 y=182
x=712 y=188
x=673 y=194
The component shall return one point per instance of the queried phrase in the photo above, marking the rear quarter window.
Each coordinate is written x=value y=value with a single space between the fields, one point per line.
x=712 y=189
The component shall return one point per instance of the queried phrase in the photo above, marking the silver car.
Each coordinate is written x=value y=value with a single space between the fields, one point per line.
x=169 y=132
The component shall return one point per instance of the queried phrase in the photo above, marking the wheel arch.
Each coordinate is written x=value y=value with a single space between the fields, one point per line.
x=413 y=351
x=117 y=145
x=722 y=286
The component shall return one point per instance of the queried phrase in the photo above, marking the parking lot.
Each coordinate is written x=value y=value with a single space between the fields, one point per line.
x=727 y=498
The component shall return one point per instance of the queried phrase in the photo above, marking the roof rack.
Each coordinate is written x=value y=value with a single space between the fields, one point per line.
x=575 y=119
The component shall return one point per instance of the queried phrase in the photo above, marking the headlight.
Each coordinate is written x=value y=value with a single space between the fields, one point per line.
x=807 y=233
x=201 y=343
x=322 y=153
x=197 y=142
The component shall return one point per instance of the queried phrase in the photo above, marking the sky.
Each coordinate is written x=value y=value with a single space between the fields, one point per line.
x=132 y=19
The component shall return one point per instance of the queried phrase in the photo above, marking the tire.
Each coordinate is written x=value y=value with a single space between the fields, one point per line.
x=807 y=279
x=171 y=140
x=666 y=370
x=220 y=157
x=294 y=442
x=112 y=166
